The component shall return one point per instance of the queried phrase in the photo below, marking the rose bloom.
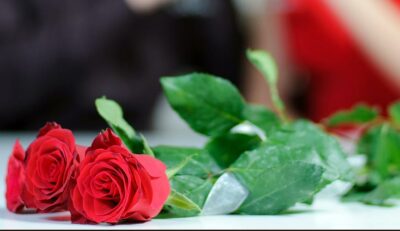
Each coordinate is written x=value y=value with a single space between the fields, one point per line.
x=50 y=163
x=15 y=179
x=113 y=185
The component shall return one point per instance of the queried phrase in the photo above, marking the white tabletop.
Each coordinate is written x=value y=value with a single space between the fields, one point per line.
x=326 y=212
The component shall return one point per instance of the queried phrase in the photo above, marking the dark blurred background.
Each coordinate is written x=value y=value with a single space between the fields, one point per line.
x=56 y=57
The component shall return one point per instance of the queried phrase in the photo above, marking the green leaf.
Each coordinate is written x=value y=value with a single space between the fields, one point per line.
x=277 y=177
x=375 y=195
x=178 y=200
x=226 y=149
x=381 y=180
x=381 y=145
x=189 y=171
x=394 y=112
x=389 y=189
x=358 y=114
x=353 y=196
x=112 y=113
x=188 y=195
x=281 y=153
x=264 y=62
x=186 y=161
x=303 y=133
x=172 y=171
x=210 y=105
x=261 y=117
x=366 y=140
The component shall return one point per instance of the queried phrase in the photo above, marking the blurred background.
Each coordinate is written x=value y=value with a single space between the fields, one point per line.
x=57 y=57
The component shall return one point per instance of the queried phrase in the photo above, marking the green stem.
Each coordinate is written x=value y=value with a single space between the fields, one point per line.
x=278 y=103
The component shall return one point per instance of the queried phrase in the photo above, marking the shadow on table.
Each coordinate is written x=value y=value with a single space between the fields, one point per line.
x=296 y=211
x=285 y=213
x=28 y=216
x=52 y=218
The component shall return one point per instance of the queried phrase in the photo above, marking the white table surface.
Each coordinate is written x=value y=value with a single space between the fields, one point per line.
x=326 y=212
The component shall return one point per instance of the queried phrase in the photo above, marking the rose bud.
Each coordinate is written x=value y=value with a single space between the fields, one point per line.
x=15 y=179
x=50 y=163
x=114 y=185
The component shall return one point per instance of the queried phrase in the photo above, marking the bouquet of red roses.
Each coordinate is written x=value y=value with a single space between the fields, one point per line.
x=101 y=183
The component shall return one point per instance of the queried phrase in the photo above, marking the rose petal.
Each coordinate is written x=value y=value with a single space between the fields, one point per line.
x=15 y=179
x=153 y=166
x=104 y=140
x=161 y=190
x=65 y=136
x=81 y=150
x=48 y=127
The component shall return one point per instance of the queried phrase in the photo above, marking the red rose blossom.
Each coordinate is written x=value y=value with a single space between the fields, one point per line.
x=114 y=185
x=15 y=179
x=50 y=163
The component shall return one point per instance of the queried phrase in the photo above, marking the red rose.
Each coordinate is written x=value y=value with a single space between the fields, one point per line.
x=15 y=179
x=115 y=185
x=50 y=163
